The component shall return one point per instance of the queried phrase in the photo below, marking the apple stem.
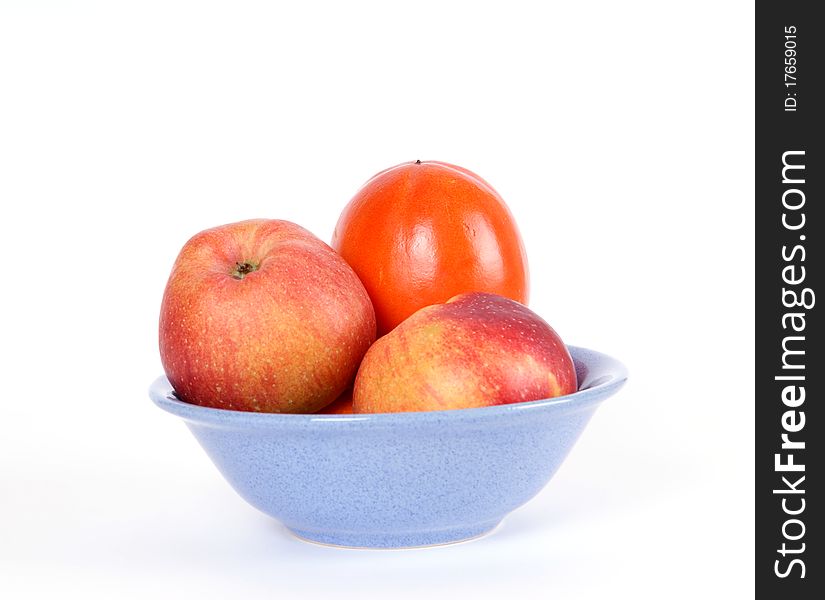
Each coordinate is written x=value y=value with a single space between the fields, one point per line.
x=243 y=269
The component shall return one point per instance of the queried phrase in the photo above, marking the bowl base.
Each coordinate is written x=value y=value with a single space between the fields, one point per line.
x=398 y=541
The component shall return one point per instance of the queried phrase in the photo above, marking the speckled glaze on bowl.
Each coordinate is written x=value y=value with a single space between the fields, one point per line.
x=401 y=479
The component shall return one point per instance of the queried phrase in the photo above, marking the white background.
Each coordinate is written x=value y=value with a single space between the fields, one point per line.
x=621 y=136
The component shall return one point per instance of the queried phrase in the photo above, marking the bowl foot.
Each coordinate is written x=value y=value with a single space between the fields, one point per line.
x=397 y=540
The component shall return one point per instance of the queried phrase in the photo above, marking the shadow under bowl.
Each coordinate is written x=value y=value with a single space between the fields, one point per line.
x=397 y=479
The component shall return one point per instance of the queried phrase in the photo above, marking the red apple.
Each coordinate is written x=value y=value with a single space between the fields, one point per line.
x=263 y=316
x=477 y=349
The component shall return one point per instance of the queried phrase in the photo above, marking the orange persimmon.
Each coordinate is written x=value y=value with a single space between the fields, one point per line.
x=422 y=232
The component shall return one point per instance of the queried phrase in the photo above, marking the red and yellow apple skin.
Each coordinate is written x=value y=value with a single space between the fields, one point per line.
x=263 y=316
x=477 y=349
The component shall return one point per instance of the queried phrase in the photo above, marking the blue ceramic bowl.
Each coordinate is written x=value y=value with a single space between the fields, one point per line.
x=400 y=479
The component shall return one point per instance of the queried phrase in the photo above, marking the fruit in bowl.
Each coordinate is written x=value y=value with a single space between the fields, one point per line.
x=460 y=412
x=263 y=316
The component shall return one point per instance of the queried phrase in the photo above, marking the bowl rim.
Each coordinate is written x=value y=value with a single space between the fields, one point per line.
x=599 y=376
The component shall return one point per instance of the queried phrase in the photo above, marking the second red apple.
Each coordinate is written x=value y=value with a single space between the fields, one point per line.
x=477 y=349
